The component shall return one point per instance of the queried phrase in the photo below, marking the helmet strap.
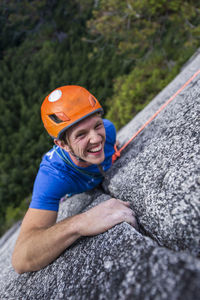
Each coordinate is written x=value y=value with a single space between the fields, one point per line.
x=77 y=157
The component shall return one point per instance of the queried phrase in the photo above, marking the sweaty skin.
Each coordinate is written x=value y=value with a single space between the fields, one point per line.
x=41 y=239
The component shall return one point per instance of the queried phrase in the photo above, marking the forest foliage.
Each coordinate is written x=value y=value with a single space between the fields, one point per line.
x=124 y=52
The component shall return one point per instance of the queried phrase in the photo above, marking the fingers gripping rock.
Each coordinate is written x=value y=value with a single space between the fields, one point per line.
x=106 y=215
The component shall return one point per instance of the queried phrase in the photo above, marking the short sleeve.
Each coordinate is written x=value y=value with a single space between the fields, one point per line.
x=48 y=189
x=110 y=132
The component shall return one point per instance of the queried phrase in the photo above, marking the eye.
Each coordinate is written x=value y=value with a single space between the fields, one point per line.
x=99 y=125
x=79 y=135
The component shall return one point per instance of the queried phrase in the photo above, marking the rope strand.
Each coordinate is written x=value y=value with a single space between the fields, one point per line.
x=118 y=152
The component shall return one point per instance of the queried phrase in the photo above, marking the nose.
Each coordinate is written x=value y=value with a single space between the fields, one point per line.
x=94 y=137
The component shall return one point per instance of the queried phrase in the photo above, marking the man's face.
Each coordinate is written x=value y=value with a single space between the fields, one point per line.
x=87 y=139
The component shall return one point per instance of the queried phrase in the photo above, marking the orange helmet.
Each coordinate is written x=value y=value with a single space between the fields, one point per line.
x=66 y=106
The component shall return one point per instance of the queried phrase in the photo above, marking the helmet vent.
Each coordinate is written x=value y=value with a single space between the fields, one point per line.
x=55 y=119
x=92 y=101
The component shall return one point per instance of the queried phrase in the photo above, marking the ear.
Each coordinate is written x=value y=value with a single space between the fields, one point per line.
x=61 y=144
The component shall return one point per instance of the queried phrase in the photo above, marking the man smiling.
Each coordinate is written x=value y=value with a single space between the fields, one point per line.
x=86 y=140
x=84 y=145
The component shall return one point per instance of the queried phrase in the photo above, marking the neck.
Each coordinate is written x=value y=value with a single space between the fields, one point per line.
x=82 y=164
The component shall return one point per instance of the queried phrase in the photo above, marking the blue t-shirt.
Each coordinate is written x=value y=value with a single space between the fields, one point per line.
x=56 y=178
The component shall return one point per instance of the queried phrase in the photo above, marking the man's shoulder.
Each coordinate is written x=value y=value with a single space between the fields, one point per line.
x=53 y=163
x=108 y=123
x=110 y=131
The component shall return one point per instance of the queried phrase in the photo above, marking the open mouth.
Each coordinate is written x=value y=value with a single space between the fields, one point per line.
x=95 y=150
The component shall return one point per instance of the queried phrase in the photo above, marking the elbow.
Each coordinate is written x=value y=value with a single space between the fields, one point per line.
x=19 y=265
x=18 y=269
x=16 y=265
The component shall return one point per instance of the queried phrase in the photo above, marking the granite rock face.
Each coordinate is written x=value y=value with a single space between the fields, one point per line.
x=164 y=171
x=159 y=174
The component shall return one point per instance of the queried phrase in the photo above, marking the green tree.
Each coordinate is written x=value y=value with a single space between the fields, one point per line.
x=156 y=37
x=48 y=56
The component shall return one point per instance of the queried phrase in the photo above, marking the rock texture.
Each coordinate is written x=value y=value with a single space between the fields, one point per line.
x=163 y=163
x=159 y=174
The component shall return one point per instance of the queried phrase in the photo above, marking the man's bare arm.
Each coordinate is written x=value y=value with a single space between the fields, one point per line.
x=41 y=241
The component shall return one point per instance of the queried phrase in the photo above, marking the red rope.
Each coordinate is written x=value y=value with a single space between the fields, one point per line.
x=118 y=152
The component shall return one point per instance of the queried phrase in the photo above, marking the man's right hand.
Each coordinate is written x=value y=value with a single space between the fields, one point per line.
x=106 y=215
x=41 y=240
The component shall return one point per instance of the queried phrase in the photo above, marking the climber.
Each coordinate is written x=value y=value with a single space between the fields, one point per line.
x=82 y=154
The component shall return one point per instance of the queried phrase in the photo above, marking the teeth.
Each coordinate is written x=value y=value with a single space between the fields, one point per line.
x=95 y=149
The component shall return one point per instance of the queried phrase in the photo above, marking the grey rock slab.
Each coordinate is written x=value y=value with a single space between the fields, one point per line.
x=188 y=70
x=159 y=172
x=9 y=234
x=118 y=264
x=75 y=204
x=7 y=274
x=68 y=208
